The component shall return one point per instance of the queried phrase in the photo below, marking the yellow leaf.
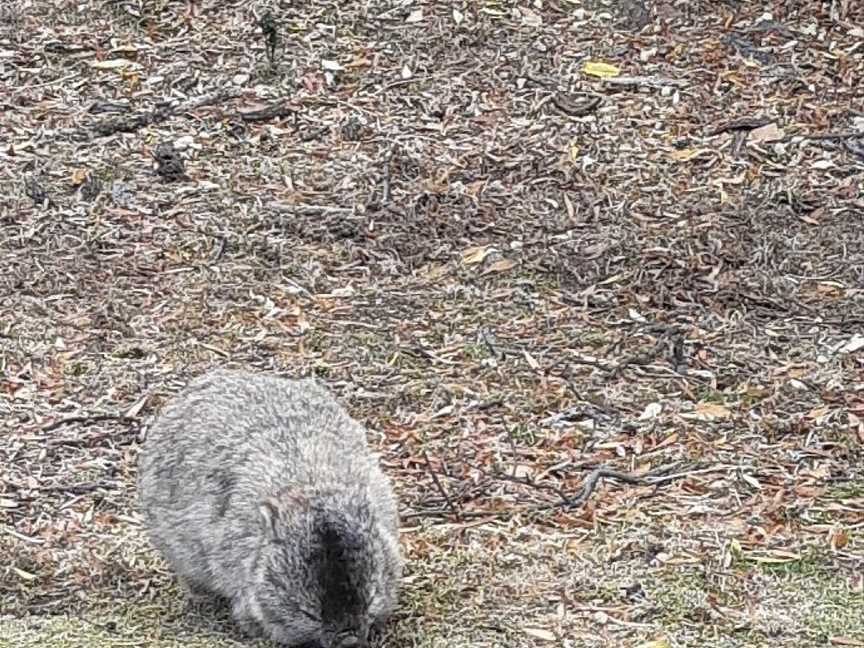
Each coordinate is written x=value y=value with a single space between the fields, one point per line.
x=434 y=271
x=711 y=410
x=657 y=643
x=473 y=255
x=602 y=70
x=574 y=546
x=499 y=266
x=23 y=574
x=540 y=633
x=778 y=556
x=818 y=413
x=613 y=279
x=685 y=155
x=79 y=176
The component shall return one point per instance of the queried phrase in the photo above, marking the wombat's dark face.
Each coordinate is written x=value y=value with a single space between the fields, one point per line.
x=315 y=578
x=295 y=610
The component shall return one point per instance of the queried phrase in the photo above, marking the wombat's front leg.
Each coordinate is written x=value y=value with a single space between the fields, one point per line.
x=194 y=591
x=244 y=610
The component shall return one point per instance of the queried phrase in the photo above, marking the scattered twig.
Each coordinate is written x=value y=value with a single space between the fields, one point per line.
x=742 y=124
x=444 y=512
x=656 y=478
x=309 y=210
x=274 y=111
x=95 y=418
x=15 y=534
x=824 y=136
x=450 y=505
x=44 y=84
x=525 y=481
x=654 y=82
x=385 y=190
x=159 y=114
x=78 y=489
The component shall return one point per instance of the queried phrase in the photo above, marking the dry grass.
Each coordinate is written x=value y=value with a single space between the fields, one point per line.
x=514 y=272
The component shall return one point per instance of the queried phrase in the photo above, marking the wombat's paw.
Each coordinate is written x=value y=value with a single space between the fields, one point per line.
x=245 y=621
x=248 y=627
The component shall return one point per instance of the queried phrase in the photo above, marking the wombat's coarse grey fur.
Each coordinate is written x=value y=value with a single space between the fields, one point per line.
x=262 y=490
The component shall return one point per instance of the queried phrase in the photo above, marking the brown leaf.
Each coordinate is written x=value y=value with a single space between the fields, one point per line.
x=838 y=538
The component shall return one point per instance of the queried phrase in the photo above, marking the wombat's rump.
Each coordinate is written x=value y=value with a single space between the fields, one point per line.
x=262 y=490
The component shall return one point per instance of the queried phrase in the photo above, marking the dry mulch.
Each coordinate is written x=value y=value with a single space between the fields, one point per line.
x=605 y=323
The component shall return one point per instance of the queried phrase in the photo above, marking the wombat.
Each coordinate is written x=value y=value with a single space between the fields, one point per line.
x=261 y=490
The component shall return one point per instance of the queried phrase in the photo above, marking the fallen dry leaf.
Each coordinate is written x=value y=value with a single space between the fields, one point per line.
x=838 y=539
x=708 y=410
x=540 y=633
x=79 y=176
x=602 y=70
x=767 y=133
x=500 y=265
x=685 y=155
x=776 y=556
x=476 y=254
x=113 y=64
x=657 y=643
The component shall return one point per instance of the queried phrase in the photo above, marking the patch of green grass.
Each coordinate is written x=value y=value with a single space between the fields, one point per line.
x=847 y=490
x=476 y=351
x=523 y=434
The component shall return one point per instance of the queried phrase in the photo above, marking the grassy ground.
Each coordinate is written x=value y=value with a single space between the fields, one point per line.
x=516 y=272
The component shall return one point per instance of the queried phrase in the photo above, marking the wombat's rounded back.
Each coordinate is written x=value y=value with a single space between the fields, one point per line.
x=226 y=443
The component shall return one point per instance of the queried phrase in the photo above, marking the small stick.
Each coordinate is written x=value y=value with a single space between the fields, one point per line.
x=385 y=190
x=95 y=418
x=440 y=487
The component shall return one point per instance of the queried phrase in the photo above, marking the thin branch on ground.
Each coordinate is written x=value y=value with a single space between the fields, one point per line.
x=443 y=491
x=94 y=418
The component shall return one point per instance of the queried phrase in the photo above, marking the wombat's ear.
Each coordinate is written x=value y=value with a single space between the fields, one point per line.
x=273 y=510
x=270 y=512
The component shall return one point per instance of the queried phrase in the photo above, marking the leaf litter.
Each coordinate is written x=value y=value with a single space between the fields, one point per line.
x=592 y=272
